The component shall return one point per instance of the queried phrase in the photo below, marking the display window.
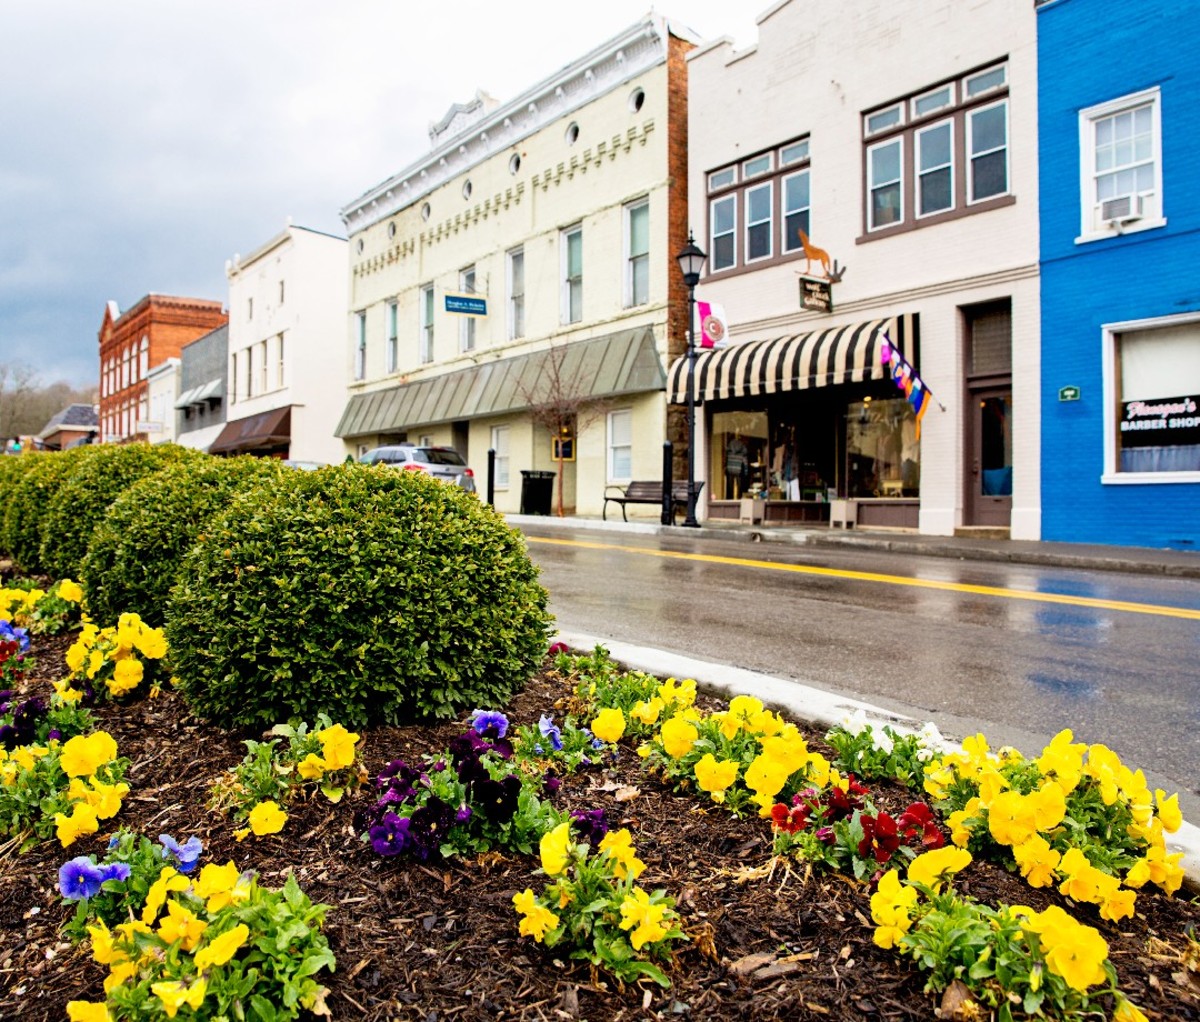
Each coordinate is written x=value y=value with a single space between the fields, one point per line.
x=883 y=456
x=1154 y=379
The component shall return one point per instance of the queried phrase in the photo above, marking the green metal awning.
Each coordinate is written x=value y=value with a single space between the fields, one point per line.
x=622 y=363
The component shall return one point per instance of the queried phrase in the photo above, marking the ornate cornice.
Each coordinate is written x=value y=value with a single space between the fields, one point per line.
x=634 y=51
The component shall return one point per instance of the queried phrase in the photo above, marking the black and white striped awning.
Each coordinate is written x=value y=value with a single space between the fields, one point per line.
x=821 y=358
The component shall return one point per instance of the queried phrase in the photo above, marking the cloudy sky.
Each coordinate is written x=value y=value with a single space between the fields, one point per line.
x=144 y=142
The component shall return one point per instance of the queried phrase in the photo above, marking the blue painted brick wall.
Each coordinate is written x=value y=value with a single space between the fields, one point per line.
x=1089 y=52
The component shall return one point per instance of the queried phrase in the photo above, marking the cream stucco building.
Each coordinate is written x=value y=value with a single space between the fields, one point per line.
x=287 y=324
x=902 y=139
x=528 y=258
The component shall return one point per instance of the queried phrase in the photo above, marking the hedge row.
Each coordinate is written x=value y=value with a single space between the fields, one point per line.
x=365 y=593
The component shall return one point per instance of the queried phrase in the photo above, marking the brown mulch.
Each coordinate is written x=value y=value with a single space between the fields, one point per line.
x=440 y=942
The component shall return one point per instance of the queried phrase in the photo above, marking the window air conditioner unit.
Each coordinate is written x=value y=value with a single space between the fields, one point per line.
x=1122 y=209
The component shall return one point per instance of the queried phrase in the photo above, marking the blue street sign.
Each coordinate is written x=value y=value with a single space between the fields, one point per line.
x=465 y=305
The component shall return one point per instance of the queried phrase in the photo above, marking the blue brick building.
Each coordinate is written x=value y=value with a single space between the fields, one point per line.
x=1119 y=151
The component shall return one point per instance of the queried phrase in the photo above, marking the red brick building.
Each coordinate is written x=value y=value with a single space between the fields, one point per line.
x=133 y=342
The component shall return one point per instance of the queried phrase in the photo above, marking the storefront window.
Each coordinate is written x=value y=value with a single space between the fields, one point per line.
x=883 y=457
x=739 y=455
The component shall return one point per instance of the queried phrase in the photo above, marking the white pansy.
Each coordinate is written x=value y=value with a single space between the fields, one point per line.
x=883 y=742
x=855 y=722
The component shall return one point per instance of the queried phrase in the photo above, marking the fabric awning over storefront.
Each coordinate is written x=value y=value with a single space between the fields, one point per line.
x=267 y=429
x=200 y=439
x=622 y=363
x=820 y=358
x=213 y=390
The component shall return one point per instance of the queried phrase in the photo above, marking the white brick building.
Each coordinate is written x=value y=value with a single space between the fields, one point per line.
x=902 y=138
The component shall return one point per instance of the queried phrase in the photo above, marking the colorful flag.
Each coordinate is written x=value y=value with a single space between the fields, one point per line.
x=905 y=377
x=714 y=331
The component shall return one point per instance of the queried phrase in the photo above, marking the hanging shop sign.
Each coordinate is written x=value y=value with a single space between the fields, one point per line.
x=816 y=294
x=1068 y=393
x=1160 y=422
x=466 y=305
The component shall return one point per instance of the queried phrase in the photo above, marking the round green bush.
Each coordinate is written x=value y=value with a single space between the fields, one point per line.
x=25 y=516
x=136 y=550
x=83 y=500
x=12 y=469
x=372 y=595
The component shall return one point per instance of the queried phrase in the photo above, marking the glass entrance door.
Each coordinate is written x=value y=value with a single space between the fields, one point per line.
x=990 y=483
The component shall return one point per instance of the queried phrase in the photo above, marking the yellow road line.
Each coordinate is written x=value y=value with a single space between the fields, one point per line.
x=894 y=580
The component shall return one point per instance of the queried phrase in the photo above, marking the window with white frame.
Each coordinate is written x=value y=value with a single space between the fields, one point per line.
x=360 y=346
x=466 y=329
x=637 y=253
x=144 y=357
x=425 y=343
x=262 y=367
x=572 y=289
x=516 y=293
x=500 y=446
x=758 y=207
x=392 y=338
x=279 y=361
x=233 y=378
x=1152 y=400
x=620 y=445
x=1120 y=146
x=939 y=153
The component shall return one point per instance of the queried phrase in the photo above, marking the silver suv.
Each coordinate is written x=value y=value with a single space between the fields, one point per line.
x=444 y=463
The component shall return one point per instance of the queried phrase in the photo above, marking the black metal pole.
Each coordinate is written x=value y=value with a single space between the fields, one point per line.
x=668 y=483
x=690 y=520
x=491 y=485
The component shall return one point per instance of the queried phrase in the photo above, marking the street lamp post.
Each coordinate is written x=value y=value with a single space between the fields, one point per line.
x=691 y=262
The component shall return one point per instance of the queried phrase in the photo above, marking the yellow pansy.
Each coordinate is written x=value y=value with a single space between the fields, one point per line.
x=766 y=775
x=180 y=925
x=119 y=974
x=311 y=767
x=932 y=867
x=337 y=746
x=174 y=995
x=70 y=591
x=1037 y=861
x=555 y=849
x=104 y=949
x=678 y=693
x=647 y=921
x=82 y=755
x=221 y=949
x=152 y=643
x=81 y=821
x=218 y=886
x=609 y=724
x=1127 y=1011
x=126 y=676
x=1168 y=810
x=1011 y=818
x=647 y=711
x=619 y=846
x=88 y=1011
x=715 y=776
x=678 y=736
x=169 y=880
x=267 y=818
x=65 y=692
x=536 y=920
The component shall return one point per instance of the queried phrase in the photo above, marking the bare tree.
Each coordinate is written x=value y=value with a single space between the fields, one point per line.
x=16 y=382
x=26 y=407
x=557 y=393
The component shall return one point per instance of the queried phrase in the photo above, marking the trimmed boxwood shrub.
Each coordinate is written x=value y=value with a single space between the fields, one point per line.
x=365 y=593
x=83 y=500
x=25 y=516
x=136 y=550
x=12 y=469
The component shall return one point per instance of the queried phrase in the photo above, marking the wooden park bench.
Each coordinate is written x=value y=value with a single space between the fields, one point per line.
x=647 y=491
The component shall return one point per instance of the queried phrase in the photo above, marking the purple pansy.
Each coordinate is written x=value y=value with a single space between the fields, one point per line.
x=551 y=730
x=186 y=855
x=490 y=723
x=590 y=825
x=116 y=871
x=390 y=836
x=80 y=879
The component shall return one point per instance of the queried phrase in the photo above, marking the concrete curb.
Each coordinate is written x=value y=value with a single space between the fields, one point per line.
x=808 y=705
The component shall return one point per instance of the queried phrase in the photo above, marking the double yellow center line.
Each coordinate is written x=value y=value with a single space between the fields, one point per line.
x=893 y=580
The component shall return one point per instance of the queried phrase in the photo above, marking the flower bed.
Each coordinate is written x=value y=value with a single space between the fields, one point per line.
x=766 y=938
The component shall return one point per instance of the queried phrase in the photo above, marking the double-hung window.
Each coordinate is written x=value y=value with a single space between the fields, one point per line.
x=1120 y=145
x=393 y=336
x=516 y=293
x=360 y=346
x=637 y=253
x=425 y=342
x=279 y=363
x=466 y=329
x=758 y=207
x=939 y=153
x=572 y=288
x=501 y=463
x=620 y=445
x=262 y=367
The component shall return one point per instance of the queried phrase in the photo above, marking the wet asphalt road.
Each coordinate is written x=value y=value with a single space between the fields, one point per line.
x=1018 y=669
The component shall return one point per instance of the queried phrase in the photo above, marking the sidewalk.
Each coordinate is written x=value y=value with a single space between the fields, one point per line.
x=1092 y=557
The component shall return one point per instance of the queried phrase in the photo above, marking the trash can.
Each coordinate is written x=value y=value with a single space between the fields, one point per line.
x=537 y=492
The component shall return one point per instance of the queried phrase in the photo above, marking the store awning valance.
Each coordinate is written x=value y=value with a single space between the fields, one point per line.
x=820 y=358
x=626 y=362
x=213 y=390
x=255 y=432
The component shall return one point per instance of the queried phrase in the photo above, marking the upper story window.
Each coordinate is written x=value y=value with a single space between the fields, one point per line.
x=758 y=207
x=281 y=292
x=572 y=283
x=144 y=357
x=360 y=347
x=1120 y=146
x=249 y=308
x=516 y=293
x=392 y=328
x=466 y=335
x=940 y=152
x=425 y=342
x=637 y=253
x=279 y=363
